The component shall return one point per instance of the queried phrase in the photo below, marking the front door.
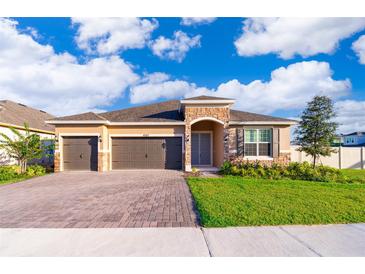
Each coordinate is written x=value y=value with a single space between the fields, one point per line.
x=201 y=149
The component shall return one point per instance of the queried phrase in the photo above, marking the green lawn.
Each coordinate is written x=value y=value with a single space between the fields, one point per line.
x=234 y=201
x=18 y=179
x=354 y=173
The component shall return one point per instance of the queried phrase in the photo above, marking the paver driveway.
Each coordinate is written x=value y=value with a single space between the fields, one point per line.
x=150 y=198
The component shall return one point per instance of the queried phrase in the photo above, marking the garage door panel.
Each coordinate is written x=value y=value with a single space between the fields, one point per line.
x=173 y=153
x=80 y=153
x=146 y=153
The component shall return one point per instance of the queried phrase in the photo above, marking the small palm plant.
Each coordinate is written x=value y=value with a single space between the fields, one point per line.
x=26 y=146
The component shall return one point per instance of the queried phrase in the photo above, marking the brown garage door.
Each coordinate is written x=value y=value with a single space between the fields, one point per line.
x=147 y=153
x=80 y=153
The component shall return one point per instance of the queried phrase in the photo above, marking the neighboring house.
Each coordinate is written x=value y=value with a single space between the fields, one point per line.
x=337 y=141
x=354 y=139
x=200 y=132
x=14 y=115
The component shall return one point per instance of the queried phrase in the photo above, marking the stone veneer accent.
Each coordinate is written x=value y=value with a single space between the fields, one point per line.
x=103 y=161
x=192 y=113
x=57 y=161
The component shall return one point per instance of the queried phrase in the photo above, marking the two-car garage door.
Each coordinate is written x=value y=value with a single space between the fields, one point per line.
x=147 y=153
x=81 y=153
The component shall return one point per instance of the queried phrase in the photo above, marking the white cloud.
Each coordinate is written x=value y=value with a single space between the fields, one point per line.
x=176 y=48
x=359 y=47
x=289 y=88
x=110 y=35
x=34 y=74
x=288 y=37
x=159 y=85
x=191 y=21
x=350 y=115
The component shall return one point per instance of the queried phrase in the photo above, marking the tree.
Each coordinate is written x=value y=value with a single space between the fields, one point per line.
x=25 y=147
x=316 y=130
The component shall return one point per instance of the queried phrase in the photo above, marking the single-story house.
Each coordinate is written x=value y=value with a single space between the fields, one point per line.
x=179 y=134
x=354 y=139
x=14 y=115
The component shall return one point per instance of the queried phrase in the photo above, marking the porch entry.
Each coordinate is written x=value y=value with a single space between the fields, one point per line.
x=201 y=149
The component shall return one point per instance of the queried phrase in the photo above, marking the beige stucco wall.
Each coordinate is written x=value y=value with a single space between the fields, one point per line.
x=61 y=129
x=284 y=138
x=160 y=130
x=218 y=147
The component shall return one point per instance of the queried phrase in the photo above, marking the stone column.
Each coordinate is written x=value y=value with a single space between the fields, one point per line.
x=57 y=161
x=187 y=146
x=57 y=153
x=226 y=142
x=104 y=150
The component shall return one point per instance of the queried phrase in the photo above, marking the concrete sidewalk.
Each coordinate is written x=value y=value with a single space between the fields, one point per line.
x=318 y=240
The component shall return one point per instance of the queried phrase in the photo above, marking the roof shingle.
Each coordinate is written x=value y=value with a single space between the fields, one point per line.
x=237 y=115
x=17 y=114
x=168 y=111
x=87 y=116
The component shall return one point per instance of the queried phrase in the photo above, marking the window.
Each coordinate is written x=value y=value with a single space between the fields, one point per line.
x=350 y=140
x=257 y=142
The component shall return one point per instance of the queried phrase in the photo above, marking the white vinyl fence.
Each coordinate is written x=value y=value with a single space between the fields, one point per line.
x=345 y=157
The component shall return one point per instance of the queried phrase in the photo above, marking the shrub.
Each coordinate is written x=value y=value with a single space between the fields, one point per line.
x=226 y=168
x=234 y=170
x=35 y=170
x=8 y=172
x=295 y=171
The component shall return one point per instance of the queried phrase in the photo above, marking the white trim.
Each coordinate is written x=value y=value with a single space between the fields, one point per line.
x=211 y=146
x=258 y=158
x=206 y=118
x=146 y=136
x=262 y=123
x=188 y=167
x=146 y=123
x=208 y=102
x=60 y=143
x=207 y=106
x=81 y=122
x=31 y=129
x=79 y=134
x=97 y=122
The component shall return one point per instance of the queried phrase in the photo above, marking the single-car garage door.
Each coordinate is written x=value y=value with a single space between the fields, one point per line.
x=147 y=153
x=80 y=153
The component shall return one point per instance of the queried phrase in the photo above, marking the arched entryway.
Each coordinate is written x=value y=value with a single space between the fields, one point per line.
x=207 y=142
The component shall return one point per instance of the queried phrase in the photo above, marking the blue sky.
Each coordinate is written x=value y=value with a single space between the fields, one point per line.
x=151 y=63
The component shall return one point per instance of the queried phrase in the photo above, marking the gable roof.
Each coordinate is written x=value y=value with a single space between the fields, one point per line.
x=204 y=97
x=243 y=116
x=17 y=114
x=357 y=133
x=168 y=111
x=87 y=116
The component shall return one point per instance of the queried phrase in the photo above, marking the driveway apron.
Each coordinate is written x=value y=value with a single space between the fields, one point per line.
x=138 y=198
